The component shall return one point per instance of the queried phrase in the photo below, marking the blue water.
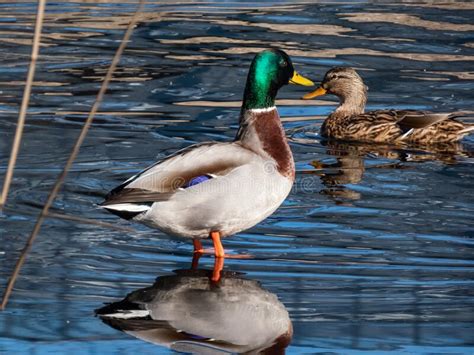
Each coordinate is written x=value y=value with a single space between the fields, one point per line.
x=372 y=252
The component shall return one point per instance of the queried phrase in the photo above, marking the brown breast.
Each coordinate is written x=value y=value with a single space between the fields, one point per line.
x=273 y=140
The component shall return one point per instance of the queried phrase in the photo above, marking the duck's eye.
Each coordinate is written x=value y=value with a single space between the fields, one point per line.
x=283 y=63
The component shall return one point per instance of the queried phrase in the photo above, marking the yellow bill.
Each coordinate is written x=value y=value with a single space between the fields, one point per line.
x=300 y=80
x=318 y=92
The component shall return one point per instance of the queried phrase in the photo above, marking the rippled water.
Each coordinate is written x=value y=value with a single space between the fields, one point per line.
x=373 y=249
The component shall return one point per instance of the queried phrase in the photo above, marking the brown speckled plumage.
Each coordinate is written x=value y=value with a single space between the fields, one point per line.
x=350 y=122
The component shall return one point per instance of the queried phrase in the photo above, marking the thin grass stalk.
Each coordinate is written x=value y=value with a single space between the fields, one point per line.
x=72 y=157
x=24 y=103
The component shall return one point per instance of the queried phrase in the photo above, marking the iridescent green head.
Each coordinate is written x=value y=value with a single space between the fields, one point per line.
x=269 y=71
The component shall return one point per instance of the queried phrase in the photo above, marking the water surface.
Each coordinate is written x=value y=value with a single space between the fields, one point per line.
x=373 y=249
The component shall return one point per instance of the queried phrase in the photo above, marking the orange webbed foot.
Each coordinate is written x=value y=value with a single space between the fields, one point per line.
x=238 y=256
x=198 y=246
x=218 y=252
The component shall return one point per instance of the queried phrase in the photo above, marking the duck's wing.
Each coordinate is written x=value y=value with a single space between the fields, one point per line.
x=388 y=125
x=409 y=119
x=162 y=180
x=406 y=119
x=133 y=195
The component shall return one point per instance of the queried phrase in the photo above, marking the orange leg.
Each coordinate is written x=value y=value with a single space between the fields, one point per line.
x=195 y=262
x=218 y=248
x=218 y=266
x=219 y=256
x=197 y=246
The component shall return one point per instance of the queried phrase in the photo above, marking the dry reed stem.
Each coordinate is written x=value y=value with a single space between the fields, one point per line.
x=72 y=157
x=24 y=103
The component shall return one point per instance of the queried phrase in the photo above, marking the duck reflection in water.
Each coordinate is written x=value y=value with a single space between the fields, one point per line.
x=349 y=167
x=188 y=312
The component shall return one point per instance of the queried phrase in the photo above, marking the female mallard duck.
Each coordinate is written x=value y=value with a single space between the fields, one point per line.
x=219 y=189
x=349 y=122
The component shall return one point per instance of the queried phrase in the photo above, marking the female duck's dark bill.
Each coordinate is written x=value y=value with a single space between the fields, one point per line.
x=300 y=80
x=318 y=92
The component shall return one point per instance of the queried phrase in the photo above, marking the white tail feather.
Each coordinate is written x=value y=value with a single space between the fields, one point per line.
x=127 y=314
x=129 y=207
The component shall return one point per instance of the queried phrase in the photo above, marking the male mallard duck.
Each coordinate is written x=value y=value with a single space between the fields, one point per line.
x=349 y=122
x=219 y=189
x=186 y=312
